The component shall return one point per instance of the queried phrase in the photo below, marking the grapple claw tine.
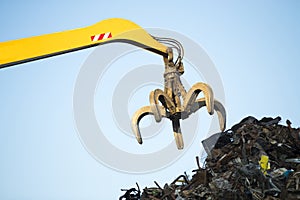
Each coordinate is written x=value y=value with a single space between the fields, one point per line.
x=136 y=118
x=192 y=94
x=177 y=134
x=138 y=115
x=218 y=107
x=179 y=140
x=156 y=109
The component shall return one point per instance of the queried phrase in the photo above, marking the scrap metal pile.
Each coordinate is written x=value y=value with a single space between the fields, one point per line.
x=255 y=159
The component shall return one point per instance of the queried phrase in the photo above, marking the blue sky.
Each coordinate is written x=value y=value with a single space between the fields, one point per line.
x=254 y=45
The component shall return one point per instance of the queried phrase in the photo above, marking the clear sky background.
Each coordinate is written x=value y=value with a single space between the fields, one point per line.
x=254 y=45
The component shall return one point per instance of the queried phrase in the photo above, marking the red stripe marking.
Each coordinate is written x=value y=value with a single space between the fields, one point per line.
x=101 y=36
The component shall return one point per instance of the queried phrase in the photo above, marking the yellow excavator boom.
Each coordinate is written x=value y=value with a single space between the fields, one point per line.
x=176 y=102
x=110 y=30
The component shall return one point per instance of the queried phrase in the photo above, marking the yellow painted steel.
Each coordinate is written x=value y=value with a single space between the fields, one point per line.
x=264 y=163
x=33 y=48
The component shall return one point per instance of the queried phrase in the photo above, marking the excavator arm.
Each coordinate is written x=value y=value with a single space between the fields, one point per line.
x=167 y=103
x=110 y=30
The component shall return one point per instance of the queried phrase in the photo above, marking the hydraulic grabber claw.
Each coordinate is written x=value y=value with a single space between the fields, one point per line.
x=168 y=103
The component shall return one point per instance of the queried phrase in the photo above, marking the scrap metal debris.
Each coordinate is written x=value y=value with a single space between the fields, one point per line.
x=131 y=194
x=255 y=159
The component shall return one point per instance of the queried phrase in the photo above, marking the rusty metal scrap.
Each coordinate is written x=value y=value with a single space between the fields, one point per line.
x=255 y=159
x=131 y=194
